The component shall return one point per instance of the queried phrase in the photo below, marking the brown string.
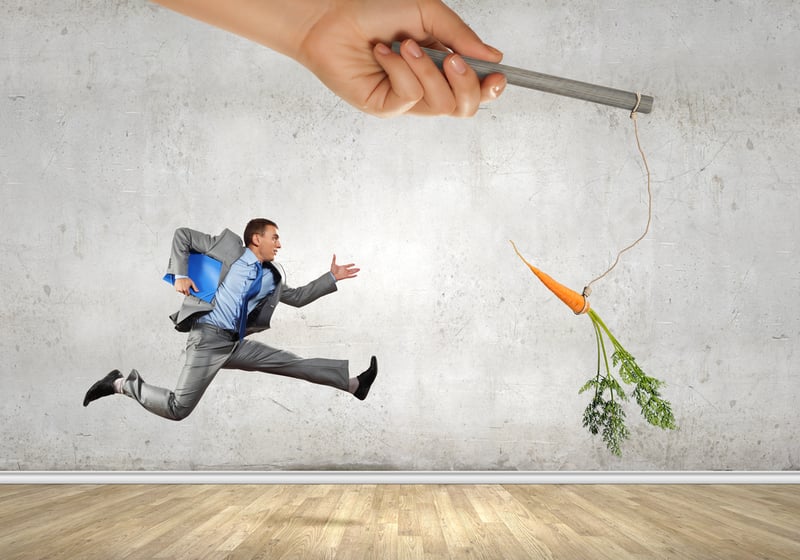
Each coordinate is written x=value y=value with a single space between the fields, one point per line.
x=588 y=289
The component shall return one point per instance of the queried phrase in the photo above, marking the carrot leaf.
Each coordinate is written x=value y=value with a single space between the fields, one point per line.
x=604 y=413
x=607 y=417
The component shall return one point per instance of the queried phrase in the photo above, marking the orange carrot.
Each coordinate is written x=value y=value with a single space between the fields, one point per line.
x=575 y=301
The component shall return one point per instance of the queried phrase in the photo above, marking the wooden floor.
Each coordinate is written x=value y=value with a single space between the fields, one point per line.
x=116 y=522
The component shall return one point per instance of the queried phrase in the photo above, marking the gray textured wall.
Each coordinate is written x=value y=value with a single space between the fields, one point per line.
x=121 y=121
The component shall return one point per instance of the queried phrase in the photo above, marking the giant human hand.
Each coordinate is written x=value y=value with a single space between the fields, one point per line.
x=348 y=50
x=345 y=44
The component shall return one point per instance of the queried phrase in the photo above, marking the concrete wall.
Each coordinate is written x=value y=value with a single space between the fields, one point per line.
x=122 y=121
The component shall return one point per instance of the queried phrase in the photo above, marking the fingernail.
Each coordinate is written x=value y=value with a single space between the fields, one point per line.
x=382 y=49
x=494 y=50
x=498 y=89
x=458 y=64
x=413 y=49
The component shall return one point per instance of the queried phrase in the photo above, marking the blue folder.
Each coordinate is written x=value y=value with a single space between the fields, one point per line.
x=204 y=271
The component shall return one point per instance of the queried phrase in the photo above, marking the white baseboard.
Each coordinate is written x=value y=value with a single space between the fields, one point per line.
x=399 y=477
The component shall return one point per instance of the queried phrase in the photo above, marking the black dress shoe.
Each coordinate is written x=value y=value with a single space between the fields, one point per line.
x=365 y=379
x=102 y=388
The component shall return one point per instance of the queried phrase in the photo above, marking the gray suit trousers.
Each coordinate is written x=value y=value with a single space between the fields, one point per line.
x=209 y=349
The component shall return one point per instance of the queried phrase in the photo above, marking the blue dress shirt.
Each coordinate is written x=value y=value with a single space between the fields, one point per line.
x=232 y=291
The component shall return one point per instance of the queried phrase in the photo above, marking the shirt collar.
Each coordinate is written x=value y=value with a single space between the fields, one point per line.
x=249 y=257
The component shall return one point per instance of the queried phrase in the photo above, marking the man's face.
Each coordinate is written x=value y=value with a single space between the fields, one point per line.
x=266 y=244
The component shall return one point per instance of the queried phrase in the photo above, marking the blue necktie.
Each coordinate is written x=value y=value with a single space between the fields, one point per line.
x=255 y=287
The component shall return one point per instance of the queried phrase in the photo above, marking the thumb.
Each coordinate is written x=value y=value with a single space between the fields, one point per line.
x=447 y=27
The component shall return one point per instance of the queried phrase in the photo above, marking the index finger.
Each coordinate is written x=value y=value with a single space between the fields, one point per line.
x=445 y=26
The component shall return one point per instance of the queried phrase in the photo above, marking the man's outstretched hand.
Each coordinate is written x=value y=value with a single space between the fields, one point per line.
x=343 y=271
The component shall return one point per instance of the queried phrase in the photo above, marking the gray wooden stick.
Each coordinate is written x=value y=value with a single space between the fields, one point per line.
x=550 y=84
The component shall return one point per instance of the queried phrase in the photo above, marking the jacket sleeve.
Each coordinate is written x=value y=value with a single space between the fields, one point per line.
x=298 y=297
x=184 y=242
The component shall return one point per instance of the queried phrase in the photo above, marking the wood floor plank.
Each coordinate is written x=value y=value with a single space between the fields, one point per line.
x=77 y=522
x=657 y=523
x=158 y=525
x=561 y=540
x=325 y=532
x=434 y=543
x=526 y=529
x=666 y=513
x=354 y=521
x=604 y=504
x=425 y=522
x=456 y=534
x=287 y=527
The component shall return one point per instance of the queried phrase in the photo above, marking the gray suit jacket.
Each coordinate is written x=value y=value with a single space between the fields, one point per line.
x=227 y=247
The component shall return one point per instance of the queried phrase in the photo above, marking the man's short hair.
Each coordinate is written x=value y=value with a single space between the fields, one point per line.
x=254 y=226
